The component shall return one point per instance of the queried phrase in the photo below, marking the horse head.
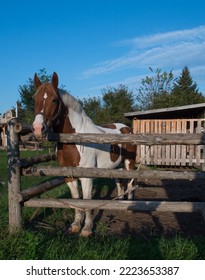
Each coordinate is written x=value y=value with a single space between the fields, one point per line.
x=47 y=105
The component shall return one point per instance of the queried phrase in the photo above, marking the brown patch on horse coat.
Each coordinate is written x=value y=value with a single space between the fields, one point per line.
x=125 y=130
x=69 y=180
x=114 y=148
x=128 y=149
x=67 y=154
x=114 y=152
x=110 y=125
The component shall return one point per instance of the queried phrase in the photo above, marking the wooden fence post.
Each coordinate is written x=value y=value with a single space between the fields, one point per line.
x=13 y=177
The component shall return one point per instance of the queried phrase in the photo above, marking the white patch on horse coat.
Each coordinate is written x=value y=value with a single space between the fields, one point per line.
x=38 y=119
x=127 y=163
x=38 y=124
x=45 y=95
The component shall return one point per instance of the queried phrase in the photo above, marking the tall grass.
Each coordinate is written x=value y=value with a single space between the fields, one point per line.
x=47 y=237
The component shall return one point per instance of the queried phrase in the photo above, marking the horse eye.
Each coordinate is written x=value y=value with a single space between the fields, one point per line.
x=55 y=100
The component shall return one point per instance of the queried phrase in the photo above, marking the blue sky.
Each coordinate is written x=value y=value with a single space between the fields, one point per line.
x=95 y=44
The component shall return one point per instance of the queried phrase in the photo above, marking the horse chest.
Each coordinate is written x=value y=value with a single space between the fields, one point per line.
x=68 y=155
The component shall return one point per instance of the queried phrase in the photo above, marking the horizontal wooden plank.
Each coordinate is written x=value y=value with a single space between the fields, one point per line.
x=163 y=206
x=141 y=175
x=39 y=189
x=143 y=139
x=22 y=128
x=26 y=162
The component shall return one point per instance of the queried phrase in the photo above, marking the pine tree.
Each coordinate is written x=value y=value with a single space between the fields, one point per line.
x=185 y=91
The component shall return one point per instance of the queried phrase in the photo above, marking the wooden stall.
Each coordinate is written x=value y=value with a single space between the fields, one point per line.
x=188 y=119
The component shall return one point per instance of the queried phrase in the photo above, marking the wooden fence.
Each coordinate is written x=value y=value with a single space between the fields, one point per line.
x=170 y=155
x=27 y=198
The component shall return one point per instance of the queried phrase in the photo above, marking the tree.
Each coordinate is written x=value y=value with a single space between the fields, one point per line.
x=111 y=106
x=185 y=91
x=93 y=108
x=116 y=102
x=154 y=91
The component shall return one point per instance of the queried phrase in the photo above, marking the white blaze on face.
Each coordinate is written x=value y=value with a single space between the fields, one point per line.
x=38 y=125
x=45 y=96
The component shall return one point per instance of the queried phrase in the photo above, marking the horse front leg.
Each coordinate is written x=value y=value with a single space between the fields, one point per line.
x=120 y=188
x=87 y=184
x=76 y=225
x=129 y=164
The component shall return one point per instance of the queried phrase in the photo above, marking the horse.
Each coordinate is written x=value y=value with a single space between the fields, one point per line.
x=58 y=111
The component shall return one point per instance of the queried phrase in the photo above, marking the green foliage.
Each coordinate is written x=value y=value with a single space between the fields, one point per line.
x=93 y=108
x=155 y=90
x=111 y=107
x=185 y=91
x=161 y=90
x=116 y=102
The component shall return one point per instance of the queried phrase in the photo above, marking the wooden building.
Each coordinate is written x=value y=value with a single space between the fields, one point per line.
x=183 y=119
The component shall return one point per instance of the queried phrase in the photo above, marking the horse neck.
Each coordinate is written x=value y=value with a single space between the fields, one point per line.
x=81 y=122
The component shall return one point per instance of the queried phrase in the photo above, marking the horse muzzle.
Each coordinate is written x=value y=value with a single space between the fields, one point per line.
x=39 y=127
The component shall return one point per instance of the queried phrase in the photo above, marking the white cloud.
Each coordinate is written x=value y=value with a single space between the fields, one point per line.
x=197 y=33
x=170 y=50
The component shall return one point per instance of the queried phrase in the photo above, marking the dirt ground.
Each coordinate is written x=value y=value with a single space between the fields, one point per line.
x=157 y=223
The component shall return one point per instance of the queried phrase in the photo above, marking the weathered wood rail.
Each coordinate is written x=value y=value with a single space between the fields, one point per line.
x=17 y=167
x=139 y=139
x=162 y=206
x=26 y=162
x=141 y=175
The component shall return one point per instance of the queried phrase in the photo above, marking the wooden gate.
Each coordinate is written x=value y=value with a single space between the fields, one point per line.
x=171 y=155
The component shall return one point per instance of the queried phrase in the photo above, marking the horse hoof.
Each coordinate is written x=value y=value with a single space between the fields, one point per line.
x=85 y=233
x=74 y=229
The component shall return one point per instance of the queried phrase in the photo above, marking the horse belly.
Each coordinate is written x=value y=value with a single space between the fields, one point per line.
x=105 y=159
x=98 y=156
x=87 y=156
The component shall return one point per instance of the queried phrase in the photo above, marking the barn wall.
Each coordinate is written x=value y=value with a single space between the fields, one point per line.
x=171 y=155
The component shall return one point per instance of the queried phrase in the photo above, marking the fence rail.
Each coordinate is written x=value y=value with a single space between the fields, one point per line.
x=162 y=206
x=141 y=175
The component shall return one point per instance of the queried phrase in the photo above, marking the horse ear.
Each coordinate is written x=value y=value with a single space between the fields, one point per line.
x=55 y=80
x=37 y=82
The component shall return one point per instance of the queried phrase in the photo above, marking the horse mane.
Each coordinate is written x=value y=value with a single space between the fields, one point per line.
x=72 y=103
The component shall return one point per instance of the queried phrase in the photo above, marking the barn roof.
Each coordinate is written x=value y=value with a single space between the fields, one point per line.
x=188 y=111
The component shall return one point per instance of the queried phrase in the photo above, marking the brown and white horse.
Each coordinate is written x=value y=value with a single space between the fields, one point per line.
x=59 y=111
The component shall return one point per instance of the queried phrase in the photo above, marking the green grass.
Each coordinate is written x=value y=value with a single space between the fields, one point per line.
x=45 y=235
x=42 y=244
